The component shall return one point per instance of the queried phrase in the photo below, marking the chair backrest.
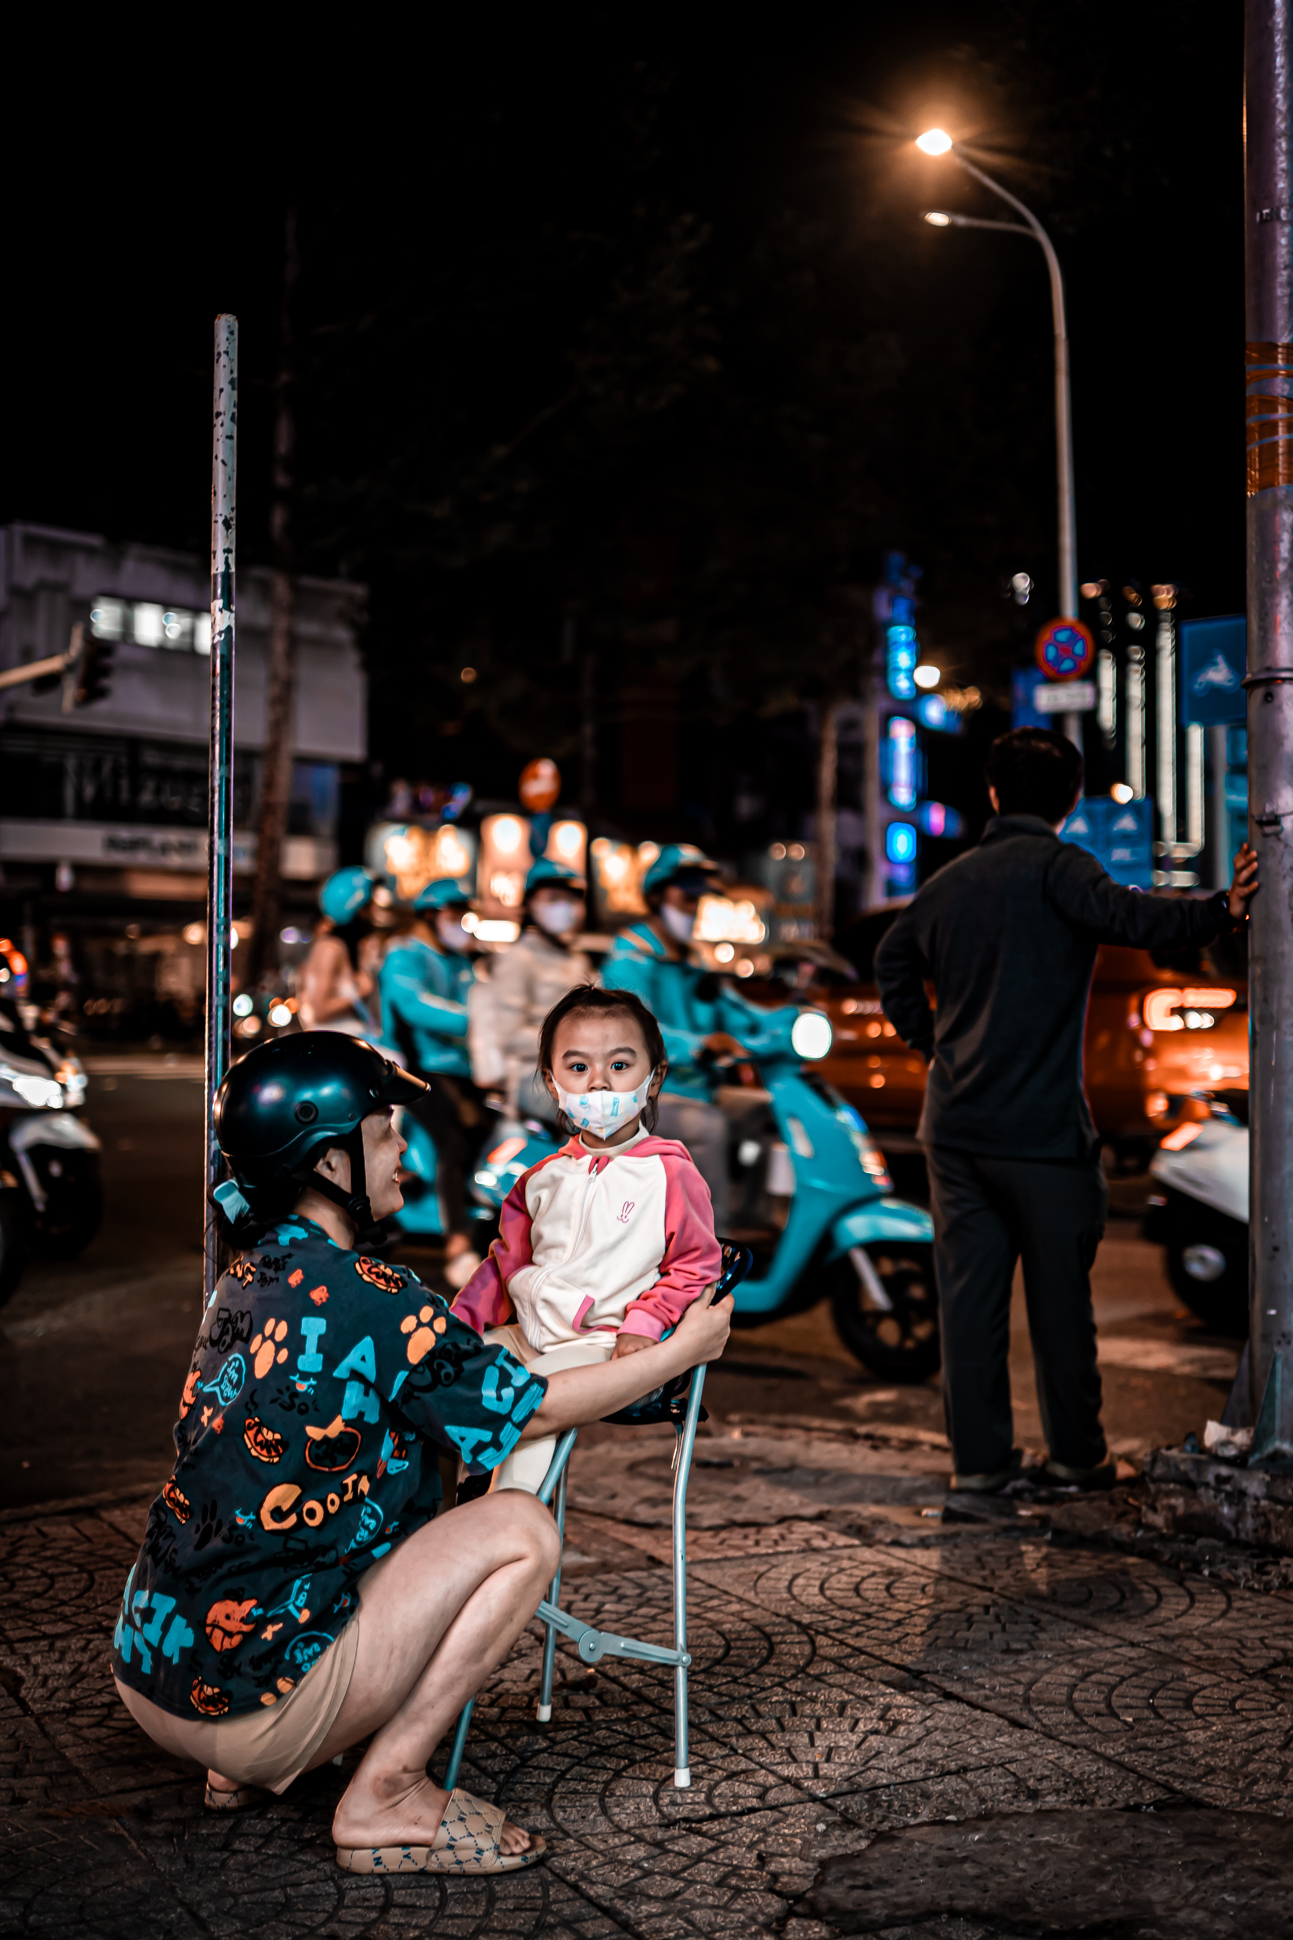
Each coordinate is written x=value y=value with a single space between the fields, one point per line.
x=669 y=1403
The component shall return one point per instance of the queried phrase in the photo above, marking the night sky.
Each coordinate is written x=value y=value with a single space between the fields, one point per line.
x=488 y=216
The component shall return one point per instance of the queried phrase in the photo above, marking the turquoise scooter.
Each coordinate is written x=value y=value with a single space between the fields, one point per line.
x=811 y=1198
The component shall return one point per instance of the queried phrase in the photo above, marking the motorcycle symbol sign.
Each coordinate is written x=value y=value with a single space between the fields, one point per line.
x=1214 y=657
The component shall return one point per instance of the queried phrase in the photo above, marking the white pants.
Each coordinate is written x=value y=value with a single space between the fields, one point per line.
x=529 y=1462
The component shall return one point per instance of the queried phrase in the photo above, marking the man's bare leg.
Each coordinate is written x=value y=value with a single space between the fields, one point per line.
x=446 y=1609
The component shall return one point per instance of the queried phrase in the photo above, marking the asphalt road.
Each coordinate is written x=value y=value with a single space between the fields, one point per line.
x=96 y=1351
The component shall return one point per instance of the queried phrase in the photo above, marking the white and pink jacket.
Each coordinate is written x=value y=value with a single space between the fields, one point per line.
x=598 y=1242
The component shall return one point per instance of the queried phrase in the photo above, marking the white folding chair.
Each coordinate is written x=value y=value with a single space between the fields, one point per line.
x=679 y=1402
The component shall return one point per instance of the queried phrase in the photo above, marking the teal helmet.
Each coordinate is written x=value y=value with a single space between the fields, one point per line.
x=345 y=894
x=551 y=875
x=683 y=863
x=445 y=894
x=288 y=1099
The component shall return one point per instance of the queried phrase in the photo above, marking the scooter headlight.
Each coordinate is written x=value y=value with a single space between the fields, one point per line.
x=42 y=1093
x=811 y=1036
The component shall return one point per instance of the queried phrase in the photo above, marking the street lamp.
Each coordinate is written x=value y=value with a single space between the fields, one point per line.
x=936 y=141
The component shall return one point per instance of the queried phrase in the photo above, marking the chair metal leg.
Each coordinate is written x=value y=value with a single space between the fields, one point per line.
x=459 y=1741
x=544 y=1712
x=556 y=1476
x=682 y=1471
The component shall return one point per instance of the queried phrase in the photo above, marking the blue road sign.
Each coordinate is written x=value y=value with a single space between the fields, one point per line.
x=1023 y=682
x=1120 y=835
x=1214 y=660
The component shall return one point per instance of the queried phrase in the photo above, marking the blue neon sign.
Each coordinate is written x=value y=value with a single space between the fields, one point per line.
x=903 y=763
x=903 y=653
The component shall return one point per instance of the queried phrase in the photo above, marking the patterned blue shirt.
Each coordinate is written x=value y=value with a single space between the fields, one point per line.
x=323 y=1386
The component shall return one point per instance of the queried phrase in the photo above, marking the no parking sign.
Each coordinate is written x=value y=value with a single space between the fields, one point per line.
x=1065 y=650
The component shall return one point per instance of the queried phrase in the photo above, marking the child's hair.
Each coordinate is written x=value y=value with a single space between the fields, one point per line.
x=591 y=997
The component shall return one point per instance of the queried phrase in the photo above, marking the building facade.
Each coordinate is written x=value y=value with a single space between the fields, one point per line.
x=103 y=807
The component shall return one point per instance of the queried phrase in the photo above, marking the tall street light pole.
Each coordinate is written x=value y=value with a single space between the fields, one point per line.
x=936 y=142
x=1268 y=359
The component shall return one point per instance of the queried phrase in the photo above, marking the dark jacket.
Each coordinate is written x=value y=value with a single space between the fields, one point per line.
x=1007 y=935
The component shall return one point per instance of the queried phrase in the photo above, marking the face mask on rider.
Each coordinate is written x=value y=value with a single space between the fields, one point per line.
x=603 y=1112
x=556 y=917
x=449 y=929
x=679 y=924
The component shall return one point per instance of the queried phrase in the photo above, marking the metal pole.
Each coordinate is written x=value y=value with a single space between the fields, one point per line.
x=1137 y=747
x=1268 y=216
x=1218 y=820
x=828 y=749
x=1165 y=709
x=224 y=452
x=1070 y=723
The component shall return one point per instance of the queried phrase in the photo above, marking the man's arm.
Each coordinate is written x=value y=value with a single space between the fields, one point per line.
x=1085 y=896
x=900 y=972
x=410 y=999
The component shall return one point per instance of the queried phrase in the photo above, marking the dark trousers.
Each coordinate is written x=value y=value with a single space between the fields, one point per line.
x=454 y=1116
x=988 y=1213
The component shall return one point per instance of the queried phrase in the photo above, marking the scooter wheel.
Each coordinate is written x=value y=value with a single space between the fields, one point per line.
x=1212 y=1280
x=886 y=1309
x=73 y=1209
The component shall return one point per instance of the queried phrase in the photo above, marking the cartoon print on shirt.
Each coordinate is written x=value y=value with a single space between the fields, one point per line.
x=209 y=1699
x=229 y=1382
x=424 y=1339
x=266 y=1444
x=333 y=1448
x=394 y=1457
x=176 y=1500
x=228 y=1622
x=378 y=1274
x=370 y=1521
x=136 y=1638
x=267 y=1347
x=624 y=1211
x=294 y=1604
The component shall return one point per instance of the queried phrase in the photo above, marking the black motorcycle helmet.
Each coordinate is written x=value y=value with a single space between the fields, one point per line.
x=283 y=1104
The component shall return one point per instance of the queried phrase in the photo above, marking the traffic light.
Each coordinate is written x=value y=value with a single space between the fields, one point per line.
x=93 y=671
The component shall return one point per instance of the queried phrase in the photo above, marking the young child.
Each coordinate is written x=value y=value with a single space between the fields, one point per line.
x=602 y=1245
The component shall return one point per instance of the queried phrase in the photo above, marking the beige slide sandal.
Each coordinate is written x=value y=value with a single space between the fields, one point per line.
x=236 y=1801
x=467 y=1842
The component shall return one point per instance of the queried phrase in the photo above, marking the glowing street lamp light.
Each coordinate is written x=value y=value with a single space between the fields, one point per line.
x=936 y=141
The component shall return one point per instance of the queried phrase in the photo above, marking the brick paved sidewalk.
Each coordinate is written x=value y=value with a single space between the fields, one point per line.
x=858 y=1669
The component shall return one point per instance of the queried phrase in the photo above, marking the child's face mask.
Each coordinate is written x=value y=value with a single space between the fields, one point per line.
x=603 y=1112
x=679 y=923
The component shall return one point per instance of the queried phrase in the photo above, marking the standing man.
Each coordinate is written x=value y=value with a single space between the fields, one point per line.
x=651 y=959
x=1008 y=934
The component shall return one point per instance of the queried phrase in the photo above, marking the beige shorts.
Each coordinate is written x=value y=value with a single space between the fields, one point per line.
x=273 y=1745
x=528 y=1463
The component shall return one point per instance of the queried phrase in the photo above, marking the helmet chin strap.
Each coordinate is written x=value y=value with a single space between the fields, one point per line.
x=355 y=1204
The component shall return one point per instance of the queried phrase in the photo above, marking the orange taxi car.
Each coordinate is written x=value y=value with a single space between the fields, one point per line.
x=1159 y=1031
